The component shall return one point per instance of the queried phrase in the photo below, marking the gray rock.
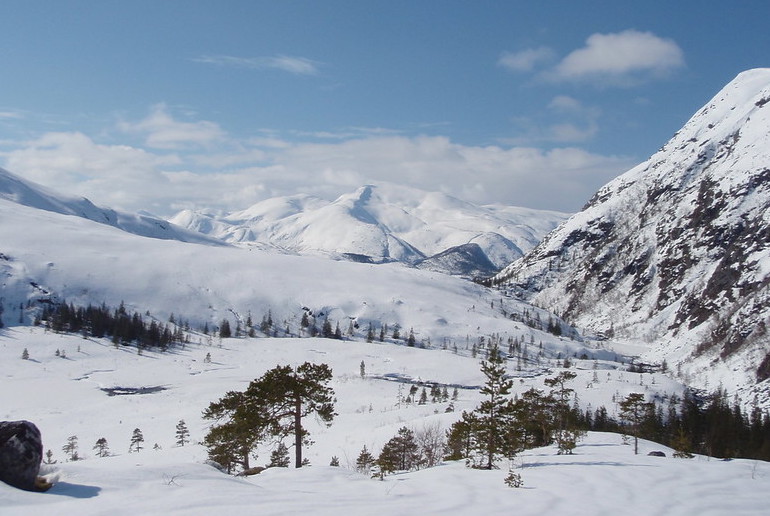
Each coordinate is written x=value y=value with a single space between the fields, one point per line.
x=21 y=450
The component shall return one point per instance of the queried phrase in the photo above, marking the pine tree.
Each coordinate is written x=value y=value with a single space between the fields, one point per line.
x=362 y=369
x=71 y=448
x=335 y=462
x=400 y=453
x=102 y=450
x=182 y=433
x=410 y=340
x=272 y=405
x=365 y=461
x=137 y=441
x=493 y=431
x=49 y=457
x=632 y=410
x=566 y=429
x=279 y=458
x=25 y=354
x=224 y=329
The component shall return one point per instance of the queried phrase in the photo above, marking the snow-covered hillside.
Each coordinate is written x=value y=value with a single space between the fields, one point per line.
x=379 y=223
x=676 y=252
x=47 y=256
x=16 y=189
x=67 y=396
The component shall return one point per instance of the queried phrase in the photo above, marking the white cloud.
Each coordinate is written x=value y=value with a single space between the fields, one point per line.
x=621 y=58
x=525 y=60
x=118 y=176
x=163 y=132
x=291 y=64
x=236 y=174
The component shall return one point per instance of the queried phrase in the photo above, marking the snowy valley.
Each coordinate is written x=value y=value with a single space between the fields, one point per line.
x=659 y=285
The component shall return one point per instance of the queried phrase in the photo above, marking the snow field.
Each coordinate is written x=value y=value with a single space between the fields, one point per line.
x=63 y=397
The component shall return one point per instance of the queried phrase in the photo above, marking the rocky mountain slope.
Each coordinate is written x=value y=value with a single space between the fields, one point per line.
x=383 y=223
x=676 y=251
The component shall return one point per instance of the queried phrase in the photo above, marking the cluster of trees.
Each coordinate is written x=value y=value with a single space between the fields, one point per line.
x=272 y=407
x=695 y=423
x=406 y=451
x=121 y=326
x=501 y=426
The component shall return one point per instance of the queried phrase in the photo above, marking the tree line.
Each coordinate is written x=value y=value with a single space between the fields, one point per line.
x=120 y=325
x=707 y=424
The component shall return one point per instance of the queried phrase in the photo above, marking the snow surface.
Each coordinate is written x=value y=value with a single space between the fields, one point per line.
x=63 y=397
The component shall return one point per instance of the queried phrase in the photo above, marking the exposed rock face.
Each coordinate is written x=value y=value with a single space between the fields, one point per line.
x=21 y=450
x=676 y=251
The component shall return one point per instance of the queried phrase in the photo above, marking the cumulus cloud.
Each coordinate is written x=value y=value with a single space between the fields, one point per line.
x=290 y=64
x=237 y=173
x=525 y=60
x=162 y=131
x=118 y=176
x=621 y=58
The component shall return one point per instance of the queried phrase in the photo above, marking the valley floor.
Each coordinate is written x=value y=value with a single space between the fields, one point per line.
x=69 y=396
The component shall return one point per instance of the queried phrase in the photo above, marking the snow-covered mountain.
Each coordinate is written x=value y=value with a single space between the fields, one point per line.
x=676 y=251
x=48 y=256
x=381 y=223
x=27 y=193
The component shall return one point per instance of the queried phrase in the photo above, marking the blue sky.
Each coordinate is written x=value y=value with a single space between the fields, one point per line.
x=165 y=105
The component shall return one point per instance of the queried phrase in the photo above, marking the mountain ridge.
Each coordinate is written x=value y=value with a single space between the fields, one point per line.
x=382 y=222
x=676 y=251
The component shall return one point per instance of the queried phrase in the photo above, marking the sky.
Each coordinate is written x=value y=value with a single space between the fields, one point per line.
x=162 y=106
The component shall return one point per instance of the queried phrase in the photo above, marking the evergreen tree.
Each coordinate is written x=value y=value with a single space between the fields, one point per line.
x=137 y=441
x=182 y=433
x=335 y=461
x=494 y=434
x=362 y=369
x=460 y=437
x=364 y=461
x=71 y=448
x=25 y=354
x=273 y=405
x=102 y=450
x=566 y=428
x=224 y=329
x=410 y=340
x=632 y=410
x=49 y=457
x=400 y=453
x=370 y=333
x=279 y=458
x=326 y=329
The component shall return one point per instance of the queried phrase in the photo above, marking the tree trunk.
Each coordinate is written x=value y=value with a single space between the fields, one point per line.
x=298 y=432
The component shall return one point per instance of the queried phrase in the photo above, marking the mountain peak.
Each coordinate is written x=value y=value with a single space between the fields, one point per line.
x=380 y=223
x=676 y=251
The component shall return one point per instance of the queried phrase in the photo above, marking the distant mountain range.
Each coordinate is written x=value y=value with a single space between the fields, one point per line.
x=385 y=223
x=676 y=251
